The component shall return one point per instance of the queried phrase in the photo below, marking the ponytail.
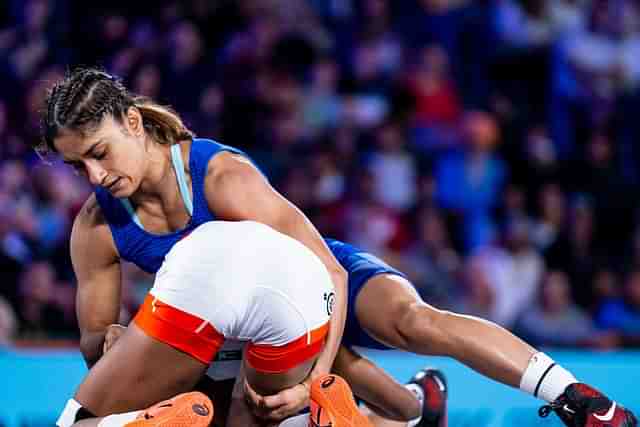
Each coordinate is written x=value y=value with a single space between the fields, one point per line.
x=162 y=123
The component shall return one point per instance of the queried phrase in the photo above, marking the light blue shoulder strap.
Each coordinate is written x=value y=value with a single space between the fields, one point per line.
x=178 y=166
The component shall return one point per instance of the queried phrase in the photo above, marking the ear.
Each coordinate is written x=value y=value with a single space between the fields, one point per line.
x=133 y=121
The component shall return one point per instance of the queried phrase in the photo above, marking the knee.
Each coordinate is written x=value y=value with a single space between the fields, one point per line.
x=422 y=328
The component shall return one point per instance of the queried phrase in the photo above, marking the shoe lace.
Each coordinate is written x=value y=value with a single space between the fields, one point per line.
x=153 y=412
x=545 y=410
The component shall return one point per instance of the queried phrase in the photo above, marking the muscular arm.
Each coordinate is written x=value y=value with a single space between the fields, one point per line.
x=97 y=270
x=236 y=190
x=376 y=387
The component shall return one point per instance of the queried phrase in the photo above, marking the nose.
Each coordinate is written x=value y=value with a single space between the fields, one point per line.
x=96 y=173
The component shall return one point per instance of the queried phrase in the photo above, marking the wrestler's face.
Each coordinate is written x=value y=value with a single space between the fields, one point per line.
x=111 y=155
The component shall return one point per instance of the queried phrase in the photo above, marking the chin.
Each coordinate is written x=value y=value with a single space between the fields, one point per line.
x=123 y=192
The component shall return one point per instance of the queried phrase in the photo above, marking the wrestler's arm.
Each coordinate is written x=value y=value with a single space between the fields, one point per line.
x=97 y=268
x=236 y=190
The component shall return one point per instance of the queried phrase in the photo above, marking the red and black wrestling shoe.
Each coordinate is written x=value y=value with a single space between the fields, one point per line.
x=583 y=406
x=434 y=386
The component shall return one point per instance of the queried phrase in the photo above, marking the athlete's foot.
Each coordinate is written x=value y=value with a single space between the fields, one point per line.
x=583 y=406
x=332 y=404
x=187 y=409
x=434 y=387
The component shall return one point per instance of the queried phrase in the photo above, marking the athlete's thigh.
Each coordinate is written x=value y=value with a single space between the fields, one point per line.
x=137 y=372
x=381 y=302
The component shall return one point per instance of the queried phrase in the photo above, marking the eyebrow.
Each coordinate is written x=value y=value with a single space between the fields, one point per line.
x=85 y=153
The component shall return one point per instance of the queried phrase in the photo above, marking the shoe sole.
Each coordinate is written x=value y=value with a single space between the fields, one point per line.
x=332 y=404
x=185 y=410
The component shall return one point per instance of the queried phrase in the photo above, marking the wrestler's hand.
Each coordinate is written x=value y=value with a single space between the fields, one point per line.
x=114 y=331
x=279 y=406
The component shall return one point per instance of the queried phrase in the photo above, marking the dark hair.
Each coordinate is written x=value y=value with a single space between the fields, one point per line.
x=85 y=96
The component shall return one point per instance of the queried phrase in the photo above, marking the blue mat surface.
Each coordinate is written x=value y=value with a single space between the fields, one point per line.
x=35 y=385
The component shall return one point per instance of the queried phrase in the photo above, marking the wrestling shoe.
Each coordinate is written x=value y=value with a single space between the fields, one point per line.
x=332 y=404
x=583 y=406
x=187 y=409
x=434 y=388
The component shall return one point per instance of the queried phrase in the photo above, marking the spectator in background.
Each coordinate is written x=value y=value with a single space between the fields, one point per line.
x=329 y=180
x=555 y=320
x=514 y=271
x=32 y=43
x=377 y=52
x=599 y=175
x=479 y=298
x=605 y=288
x=322 y=105
x=295 y=187
x=471 y=180
x=245 y=53
x=623 y=314
x=552 y=217
x=11 y=145
x=540 y=163
x=14 y=180
x=8 y=323
x=52 y=208
x=567 y=15
x=393 y=168
x=14 y=253
x=435 y=22
x=437 y=105
x=187 y=69
x=525 y=32
x=366 y=223
x=431 y=263
x=32 y=102
x=513 y=204
x=147 y=81
x=329 y=186
x=592 y=68
x=208 y=119
x=262 y=73
x=574 y=251
x=344 y=140
x=46 y=308
x=631 y=261
x=16 y=200
x=525 y=26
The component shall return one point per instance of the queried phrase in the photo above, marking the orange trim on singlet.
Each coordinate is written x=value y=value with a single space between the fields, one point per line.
x=272 y=359
x=181 y=330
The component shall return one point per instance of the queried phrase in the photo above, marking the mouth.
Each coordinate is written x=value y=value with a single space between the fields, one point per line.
x=112 y=185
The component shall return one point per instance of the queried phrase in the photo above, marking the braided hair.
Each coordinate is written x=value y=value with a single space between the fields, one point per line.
x=80 y=101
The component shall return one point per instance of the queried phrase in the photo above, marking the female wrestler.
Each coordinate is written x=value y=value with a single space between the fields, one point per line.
x=131 y=150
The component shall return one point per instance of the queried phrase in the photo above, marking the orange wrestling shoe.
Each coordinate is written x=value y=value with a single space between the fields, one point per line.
x=332 y=404
x=187 y=409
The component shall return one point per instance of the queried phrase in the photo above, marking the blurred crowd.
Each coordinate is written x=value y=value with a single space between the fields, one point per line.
x=486 y=148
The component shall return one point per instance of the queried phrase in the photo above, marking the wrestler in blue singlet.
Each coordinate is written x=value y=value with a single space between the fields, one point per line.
x=147 y=250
